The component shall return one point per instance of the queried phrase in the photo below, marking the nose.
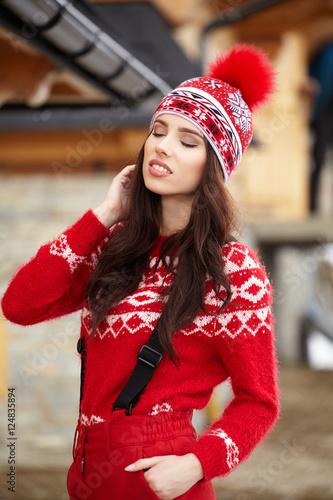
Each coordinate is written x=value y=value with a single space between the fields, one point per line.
x=163 y=146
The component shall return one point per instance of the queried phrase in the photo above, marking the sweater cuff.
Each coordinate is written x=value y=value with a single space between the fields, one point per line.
x=87 y=233
x=217 y=453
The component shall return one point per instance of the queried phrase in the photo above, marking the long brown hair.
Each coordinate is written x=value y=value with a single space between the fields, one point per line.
x=198 y=246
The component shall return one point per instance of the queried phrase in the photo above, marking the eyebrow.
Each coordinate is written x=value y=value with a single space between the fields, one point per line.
x=182 y=129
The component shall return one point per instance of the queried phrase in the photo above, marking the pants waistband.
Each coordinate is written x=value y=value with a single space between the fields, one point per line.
x=130 y=430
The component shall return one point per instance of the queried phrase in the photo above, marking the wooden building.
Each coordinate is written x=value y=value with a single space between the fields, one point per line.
x=273 y=179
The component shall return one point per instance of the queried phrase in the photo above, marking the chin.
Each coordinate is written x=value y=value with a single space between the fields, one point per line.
x=153 y=185
x=155 y=189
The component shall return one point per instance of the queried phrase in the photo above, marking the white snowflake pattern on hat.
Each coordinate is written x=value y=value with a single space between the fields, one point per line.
x=240 y=110
x=213 y=83
x=200 y=114
x=223 y=145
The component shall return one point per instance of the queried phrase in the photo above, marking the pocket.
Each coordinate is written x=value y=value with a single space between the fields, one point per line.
x=181 y=445
x=160 y=448
x=151 y=493
x=75 y=486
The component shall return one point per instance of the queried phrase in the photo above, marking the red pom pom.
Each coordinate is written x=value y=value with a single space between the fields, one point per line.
x=248 y=69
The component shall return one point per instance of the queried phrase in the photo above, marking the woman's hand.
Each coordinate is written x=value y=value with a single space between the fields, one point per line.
x=170 y=476
x=116 y=202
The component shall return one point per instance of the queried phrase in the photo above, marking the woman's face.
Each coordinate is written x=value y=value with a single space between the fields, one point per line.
x=174 y=156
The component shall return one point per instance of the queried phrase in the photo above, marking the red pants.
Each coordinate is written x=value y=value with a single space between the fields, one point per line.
x=101 y=451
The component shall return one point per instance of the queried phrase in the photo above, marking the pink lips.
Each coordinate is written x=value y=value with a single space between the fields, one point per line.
x=158 y=173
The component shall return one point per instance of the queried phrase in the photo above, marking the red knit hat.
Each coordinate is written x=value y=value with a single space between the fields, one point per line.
x=221 y=102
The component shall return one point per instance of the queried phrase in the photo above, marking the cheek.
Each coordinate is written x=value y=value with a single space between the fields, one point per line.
x=149 y=145
x=146 y=153
x=193 y=173
x=198 y=167
x=145 y=150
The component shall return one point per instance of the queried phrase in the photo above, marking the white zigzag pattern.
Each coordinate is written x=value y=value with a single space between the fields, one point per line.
x=93 y=259
x=228 y=323
x=243 y=289
x=94 y=419
x=61 y=247
x=223 y=327
x=219 y=326
x=231 y=266
x=84 y=420
x=159 y=408
x=232 y=449
x=141 y=298
x=201 y=323
x=140 y=318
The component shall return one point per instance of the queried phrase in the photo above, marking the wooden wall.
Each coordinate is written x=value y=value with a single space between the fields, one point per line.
x=69 y=151
x=273 y=177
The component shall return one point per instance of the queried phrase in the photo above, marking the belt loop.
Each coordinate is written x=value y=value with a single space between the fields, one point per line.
x=75 y=440
x=79 y=440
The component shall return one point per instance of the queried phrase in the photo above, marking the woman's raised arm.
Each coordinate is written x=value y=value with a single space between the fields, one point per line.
x=53 y=283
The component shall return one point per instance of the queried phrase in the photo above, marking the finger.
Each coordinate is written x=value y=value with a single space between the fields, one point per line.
x=130 y=168
x=144 y=463
x=127 y=172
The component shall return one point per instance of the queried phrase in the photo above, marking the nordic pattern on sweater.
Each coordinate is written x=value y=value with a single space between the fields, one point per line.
x=237 y=344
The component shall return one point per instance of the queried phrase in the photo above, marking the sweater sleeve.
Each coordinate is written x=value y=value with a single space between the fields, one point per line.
x=244 y=343
x=53 y=283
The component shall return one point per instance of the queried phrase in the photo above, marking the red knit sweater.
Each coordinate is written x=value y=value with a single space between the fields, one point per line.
x=237 y=344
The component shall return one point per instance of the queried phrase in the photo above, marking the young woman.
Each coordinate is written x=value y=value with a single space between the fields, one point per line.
x=159 y=247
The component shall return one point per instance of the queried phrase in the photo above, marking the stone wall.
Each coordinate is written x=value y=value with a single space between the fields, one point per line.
x=41 y=360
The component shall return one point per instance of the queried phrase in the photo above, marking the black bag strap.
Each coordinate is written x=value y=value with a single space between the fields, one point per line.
x=81 y=349
x=149 y=358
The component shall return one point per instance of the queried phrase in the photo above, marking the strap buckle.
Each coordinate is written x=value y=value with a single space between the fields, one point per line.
x=151 y=353
x=129 y=409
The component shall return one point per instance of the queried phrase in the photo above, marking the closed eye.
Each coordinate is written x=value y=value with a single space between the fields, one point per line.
x=155 y=134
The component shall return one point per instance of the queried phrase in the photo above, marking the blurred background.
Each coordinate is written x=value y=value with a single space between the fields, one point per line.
x=79 y=82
